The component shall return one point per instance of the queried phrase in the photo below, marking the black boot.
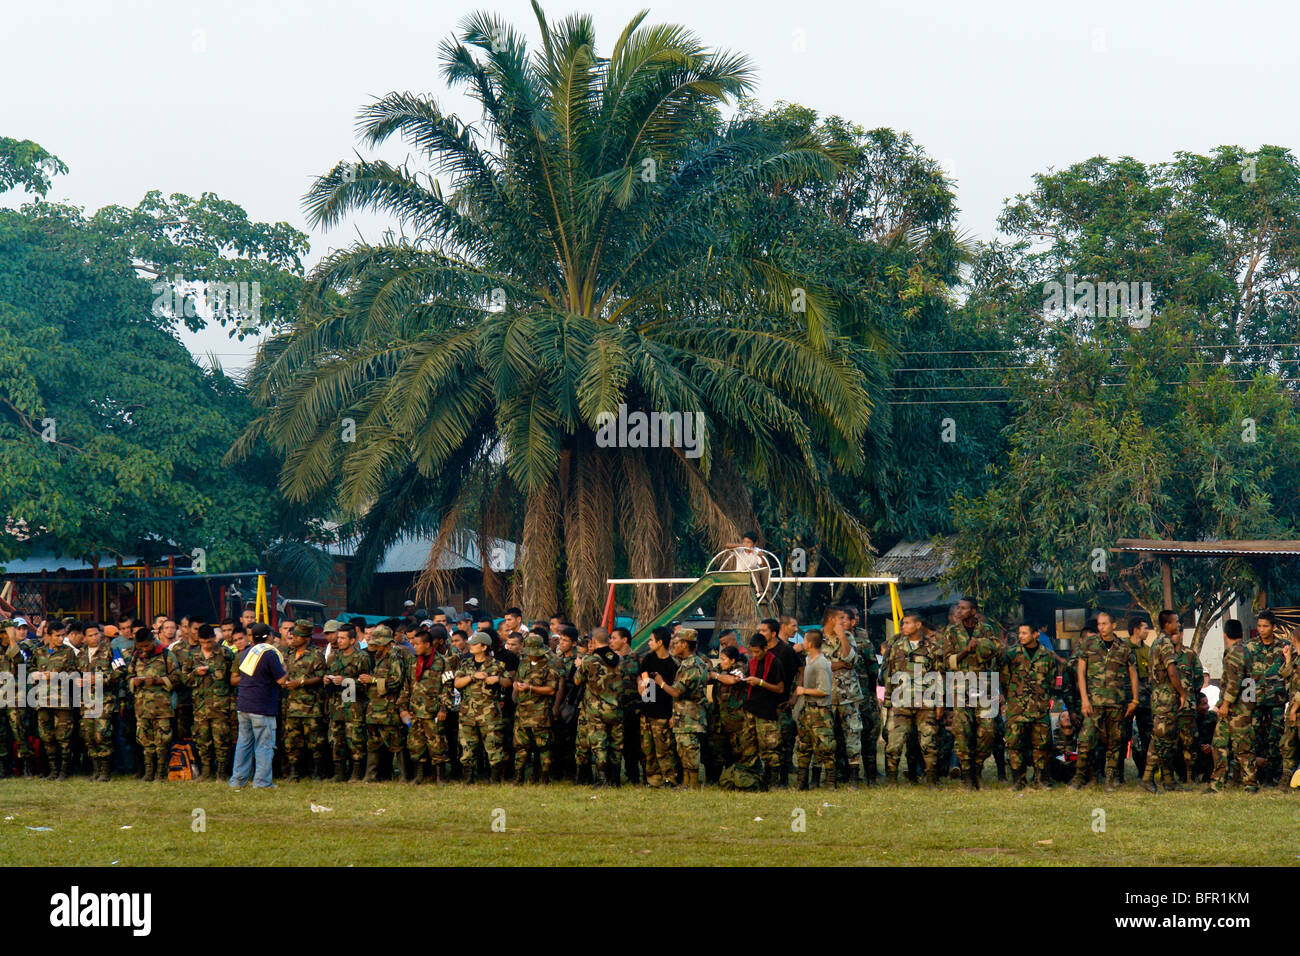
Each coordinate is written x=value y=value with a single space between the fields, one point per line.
x=372 y=767
x=29 y=767
x=408 y=770
x=358 y=771
x=467 y=772
x=803 y=778
x=150 y=767
x=318 y=767
x=497 y=773
x=853 y=777
x=65 y=765
x=613 y=773
x=545 y=778
x=520 y=767
x=291 y=759
x=419 y=773
x=340 y=768
x=816 y=779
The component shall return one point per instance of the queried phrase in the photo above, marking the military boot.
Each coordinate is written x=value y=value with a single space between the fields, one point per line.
x=1018 y=780
x=102 y=770
x=358 y=774
x=372 y=766
x=932 y=779
x=291 y=758
x=803 y=778
x=853 y=777
x=1171 y=777
x=583 y=774
x=1112 y=781
x=408 y=768
x=521 y=768
x=545 y=778
x=1149 y=775
x=227 y=768
x=830 y=779
x=692 y=779
x=497 y=773
x=891 y=774
x=467 y=772
x=318 y=766
x=65 y=767
x=150 y=767
x=340 y=768
x=421 y=772
x=613 y=773
x=815 y=780
x=597 y=775
x=29 y=767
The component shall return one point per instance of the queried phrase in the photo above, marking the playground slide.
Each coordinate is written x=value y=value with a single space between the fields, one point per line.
x=702 y=586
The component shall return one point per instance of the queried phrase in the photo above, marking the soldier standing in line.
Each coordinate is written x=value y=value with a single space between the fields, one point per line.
x=689 y=722
x=304 y=732
x=1107 y=679
x=347 y=707
x=1138 y=731
x=812 y=706
x=98 y=683
x=564 y=712
x=183 y=649
x=972 y=646
x=839 y=651
x=729 y=697
x=54 y=714
x=427 y=705
x=534 y=689
x=909 y=657
x=384 y=682
x=207 y=674
x=13 y=715
x=582 y=732
x=657 y=710
x=153 y=676
x=479 y=679
x=1028 y=673
x=1266 y=662
x=1192 y=674
x=1290 y=744
x=761 y=738
x=601 y=678
x=1234 y=735
x=1167 y=698
x=620 y=642
x=868 y=670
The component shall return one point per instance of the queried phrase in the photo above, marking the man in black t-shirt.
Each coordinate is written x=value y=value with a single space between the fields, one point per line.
x=761 y=738
x=656 y=710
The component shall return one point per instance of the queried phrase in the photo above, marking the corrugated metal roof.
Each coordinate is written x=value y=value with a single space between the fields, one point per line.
x=50 y=563
x=410 y=553
x=1213 y=548
x=916 y=560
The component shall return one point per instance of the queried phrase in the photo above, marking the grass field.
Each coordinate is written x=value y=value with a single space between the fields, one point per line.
x=393 y=824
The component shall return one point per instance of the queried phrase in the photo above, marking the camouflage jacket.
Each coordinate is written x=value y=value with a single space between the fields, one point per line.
x=688 y=708
x=1106 y=670
x=602 y=686
x=1163 y=696
x=384 y=693
x=1291 y=673
x=1266 y=662
x=1069 y=692
x=211 y=692
x=534 y=710
x=59 y=660
x=1191 y=673
x=1028 y=678
x=480 y=700
x=1142 y=659
x=1236 y=669
x=986 y=657
x=347 y=701
x=629 y=666
x=431 y=693
x=729 y=698
x=301 y=664
x=13 y=661
x=867 y=667
x=182 y=652
x=154 y=702
x=847 y=687
x=905 y=669
x=408 y=664
x=92 y=663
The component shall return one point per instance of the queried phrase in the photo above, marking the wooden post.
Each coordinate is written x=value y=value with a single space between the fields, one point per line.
x=1167 y=581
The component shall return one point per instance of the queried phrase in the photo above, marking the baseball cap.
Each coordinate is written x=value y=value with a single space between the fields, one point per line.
x=331 y=626
x=20 y=621
x=472 y=602
x=408 y=604
x=302 y=627
x=478 y=637
x=110 y=630
x=427 y=622
x=380 y=635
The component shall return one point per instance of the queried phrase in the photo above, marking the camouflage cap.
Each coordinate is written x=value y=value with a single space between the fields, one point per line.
x=533 y=646
x=479 y=637
x=5 y=622
x=380 y=636
x=302 y=627
x=332 y=625
x=685 y=634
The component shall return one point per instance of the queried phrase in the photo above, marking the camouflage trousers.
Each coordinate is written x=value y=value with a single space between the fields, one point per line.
x=1104 y=729
x=97 y=734
x=348 y=738
x=605 y=736
x=1036 y=732
x=381 y=737
x=1234 y=737
x=582 y=739
x=1187 y=738
x=534 y=737
x=972 y=738
x=761 y=740
x=427 y=738
x=1268 y=720
x=815 y=738
x=849 y=721
x=870 y=711
x=724 y=737
x=902 y=722
x=54 y=725
x=486 y=731
x=1164 y=742
x=15 y=725
x=154 y=735
x=657 y=746
x=1290 y=747
x=789 y=734
x=213 y=742
x=304 y=733
x=688 y=749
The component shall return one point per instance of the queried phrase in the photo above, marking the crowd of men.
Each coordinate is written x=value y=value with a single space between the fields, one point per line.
x=432 y=701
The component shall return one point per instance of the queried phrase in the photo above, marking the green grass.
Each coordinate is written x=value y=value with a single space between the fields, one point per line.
x=392 y=824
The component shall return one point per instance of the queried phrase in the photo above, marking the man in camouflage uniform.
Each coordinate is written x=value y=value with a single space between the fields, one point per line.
x=971 y=646
x=1290 y=745
x=816 y=732
x=656 y=711
x=54 y=714
x=1192 y=674
x=480 y=679
x=1028 y=679
x=843 y=655
x=14 y=732
x=534 y=689
x=1234 y=735
x=909 y=657
x=207 y=674
x=402 y=759
x=427 y=704
x=183 y=649
x=1266 y=662
x=729 y=703
x=152 y=676
x=303 y=682
x=1107 y=681
x=689 y=721
x=1167 y=698
x=600 y=676
x=620 y=642
x=346 y=704
x=384 y=683
x=867 y=668
x=1138 y=731
x=98 y=684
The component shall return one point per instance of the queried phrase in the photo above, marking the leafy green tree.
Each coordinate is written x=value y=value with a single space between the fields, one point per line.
x=576 y=254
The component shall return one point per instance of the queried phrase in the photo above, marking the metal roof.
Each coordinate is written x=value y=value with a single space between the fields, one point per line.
x=916 y=560
x=409 y=555
x=1207 y=548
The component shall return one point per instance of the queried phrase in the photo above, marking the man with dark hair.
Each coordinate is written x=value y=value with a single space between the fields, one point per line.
x=385 y=684
x=1267 y=658
x=601 y=679
x=1192 y=674
x=910 y=657
x=427 y=705
x=534 y=690
x=1234 y=735
x=52 y=659
x=1137 y=730
x=1028 y=673
x=346 y=705
x=1167 y=698
x=304 y=729
x=207 y=674
x=816 y=733
x=657 y=710
x=971 y=645
x=258 y=672
x=761 y=738
x=868 y=671
x=687 y=690
x=620 y=642
x=478 y=679
x=99 y=694
x=1108 y=689
x=564 y=714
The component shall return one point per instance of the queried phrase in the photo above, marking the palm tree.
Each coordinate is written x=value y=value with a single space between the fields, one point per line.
x=575 y=255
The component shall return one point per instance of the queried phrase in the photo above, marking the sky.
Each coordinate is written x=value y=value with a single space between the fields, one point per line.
x=251 y=100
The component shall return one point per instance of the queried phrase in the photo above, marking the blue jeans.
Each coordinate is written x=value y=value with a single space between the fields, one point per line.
x=255 y=748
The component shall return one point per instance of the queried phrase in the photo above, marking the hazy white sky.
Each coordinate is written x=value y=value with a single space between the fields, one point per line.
x=252 y=99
